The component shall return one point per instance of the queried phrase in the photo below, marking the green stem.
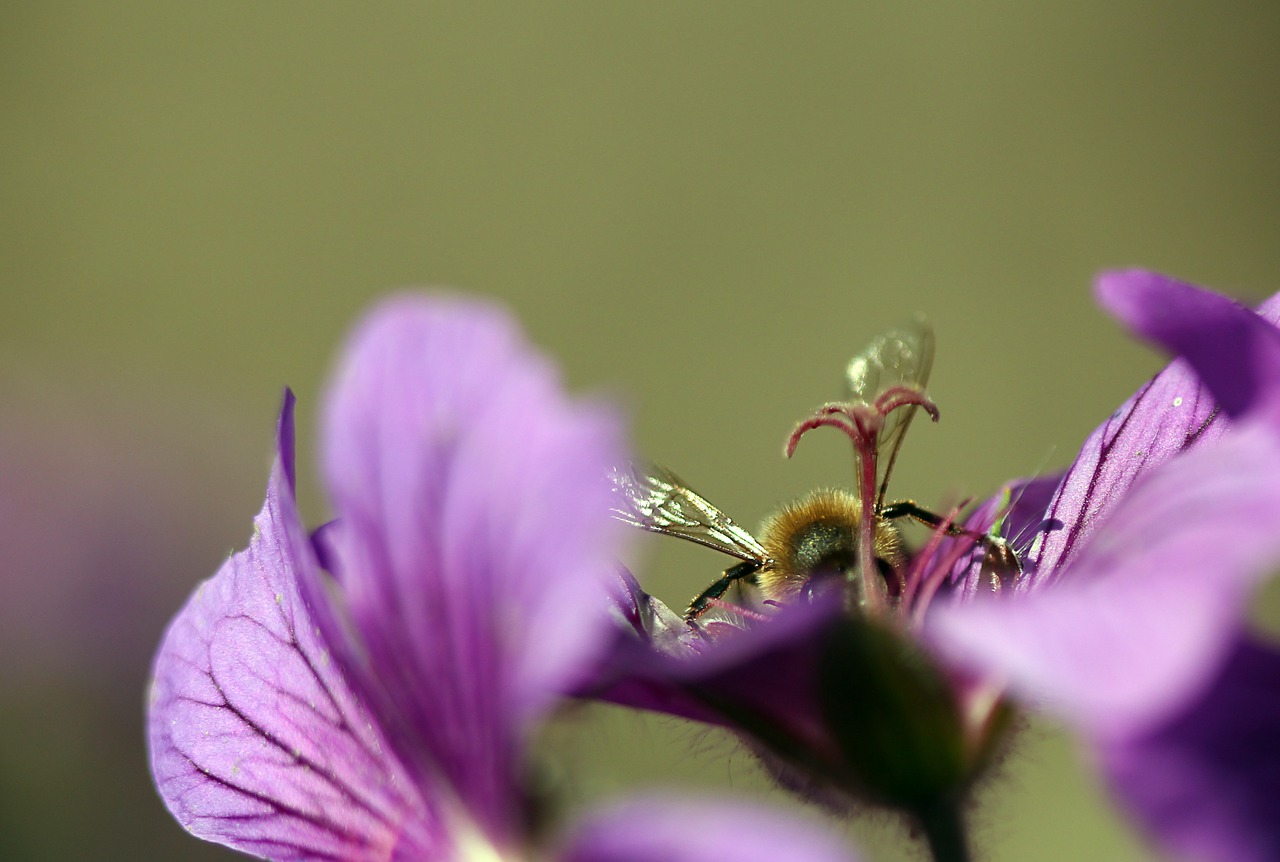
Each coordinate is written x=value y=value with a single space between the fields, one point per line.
x=943 y=828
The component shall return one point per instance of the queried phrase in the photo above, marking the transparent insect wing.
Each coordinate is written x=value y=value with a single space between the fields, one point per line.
x=899 y=357
x=655 y=499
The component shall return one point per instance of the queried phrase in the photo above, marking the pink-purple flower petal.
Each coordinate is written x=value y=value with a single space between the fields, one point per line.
x=1234 y=350
x=760 y=678
x=257 y=741
x=1173 y=411
x=1204 y=783
x=1167 y=415
x=473 y=547
x=1150 y=605
x=645 y=830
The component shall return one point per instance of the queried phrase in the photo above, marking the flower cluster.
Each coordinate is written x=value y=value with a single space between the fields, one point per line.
x=367 y=691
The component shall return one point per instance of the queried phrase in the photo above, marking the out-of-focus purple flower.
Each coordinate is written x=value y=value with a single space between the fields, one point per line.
x=368 y=692
x=93 y=527
x=1127 y=619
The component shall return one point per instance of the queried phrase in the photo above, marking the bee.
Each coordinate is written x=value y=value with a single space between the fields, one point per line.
x=830 y=534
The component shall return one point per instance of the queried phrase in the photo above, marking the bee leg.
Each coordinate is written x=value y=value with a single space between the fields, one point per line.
x=732 y=575
x=1000 y=565
x=910 y=509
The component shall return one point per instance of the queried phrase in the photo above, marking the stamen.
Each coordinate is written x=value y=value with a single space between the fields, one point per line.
x=862 y=423
x=927 y=574
x=859 y=421
x=903 y=396
x=817 y=421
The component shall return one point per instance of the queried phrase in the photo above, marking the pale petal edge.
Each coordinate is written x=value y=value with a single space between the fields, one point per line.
x=673 y=830
x=256 y=741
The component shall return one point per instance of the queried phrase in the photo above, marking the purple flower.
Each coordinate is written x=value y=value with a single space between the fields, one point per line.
x=1127 y=620
x=368 y=692
x=1130 y=620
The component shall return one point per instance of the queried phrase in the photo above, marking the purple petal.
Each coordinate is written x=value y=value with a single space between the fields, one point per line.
x=256 y=740
x=473 y=545
x=648 y=621
x=762 y=681
x=642 y=666
x=1146 y=615
x=646 y=830
x=1170 y=413
x=1167 y=415
x=1205 y=784
x=1233 y=350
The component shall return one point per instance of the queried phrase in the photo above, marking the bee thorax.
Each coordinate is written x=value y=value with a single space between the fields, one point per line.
x=817 y=537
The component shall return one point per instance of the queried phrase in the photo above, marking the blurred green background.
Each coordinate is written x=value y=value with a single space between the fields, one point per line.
x=702 y=209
